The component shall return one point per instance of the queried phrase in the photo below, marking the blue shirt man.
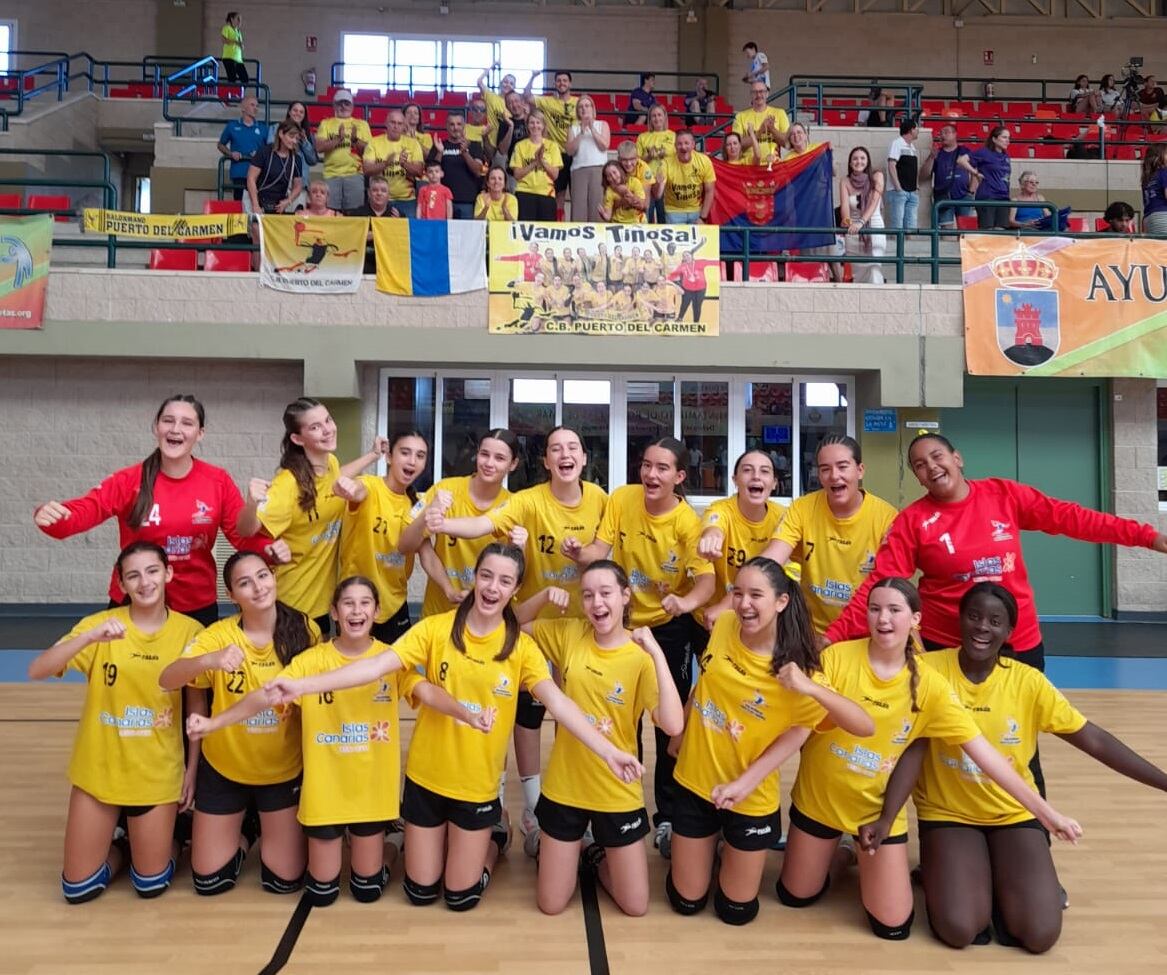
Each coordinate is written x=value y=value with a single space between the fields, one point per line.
x=240 y=140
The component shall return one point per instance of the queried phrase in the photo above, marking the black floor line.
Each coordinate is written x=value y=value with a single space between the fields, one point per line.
x=593 y=924
x=291 y=934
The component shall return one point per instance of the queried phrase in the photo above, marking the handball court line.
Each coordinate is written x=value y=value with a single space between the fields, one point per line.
x=593 y=924
x=289 y=938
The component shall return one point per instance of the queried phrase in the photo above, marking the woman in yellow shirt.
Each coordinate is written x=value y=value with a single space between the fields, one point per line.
x=453 y=820
x=298 y=507
x=260 y=761
x=654 y=146
x=757 y=698
x=495 y=203
x=842 y=779
x=535 y=163
x=976 y=840
x=232 y=57
x=350 y=780
x=414 y=130
x=127 y=756
x=614 y=675
x=650 y=529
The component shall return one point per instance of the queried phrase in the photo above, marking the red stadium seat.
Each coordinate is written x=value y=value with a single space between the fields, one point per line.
x=806 y=272
x=51 y=201
x=164 y=259
x=397 y=96
x=1030 y=131
x=227 y=261
x=430 y=98
x=1018 y=109
x=931 y=106
x=449 y=99
x=1048 y=150
x=11 y=201
x=223 y=206
x=966 y=223
x=1076 y=225
x=377 y=116
x=368 y=95
x=318 y=113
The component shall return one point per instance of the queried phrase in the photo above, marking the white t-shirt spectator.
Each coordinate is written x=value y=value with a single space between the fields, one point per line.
x=759 y=62
x=903 y=154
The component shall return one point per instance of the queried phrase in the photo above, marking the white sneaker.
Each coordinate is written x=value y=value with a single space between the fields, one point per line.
x=663 y=839
x=528 y=822
x=531 y=842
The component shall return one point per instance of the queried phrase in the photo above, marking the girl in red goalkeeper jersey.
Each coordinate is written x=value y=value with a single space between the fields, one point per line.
x=172 y=499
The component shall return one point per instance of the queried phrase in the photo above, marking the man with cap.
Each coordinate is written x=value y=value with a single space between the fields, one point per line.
x=341 y=142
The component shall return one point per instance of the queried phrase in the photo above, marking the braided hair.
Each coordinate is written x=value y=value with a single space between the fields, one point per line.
x=912 y=647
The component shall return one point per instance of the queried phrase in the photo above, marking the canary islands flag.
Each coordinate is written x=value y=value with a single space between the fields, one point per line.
x=793 y=192
x=430 y=257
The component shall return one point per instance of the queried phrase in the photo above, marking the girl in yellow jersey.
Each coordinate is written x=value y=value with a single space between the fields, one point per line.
x=547 y=515
x=351 y=746
x=833 y=533
x=624 y=197
x=757 y=698
x=977 y=844
x=842 y=779
x=127 y=756
x=258 y=762
x=614 y=676
x=478 y=655
x=736 y=529
x=298 y=507
x=650 y=529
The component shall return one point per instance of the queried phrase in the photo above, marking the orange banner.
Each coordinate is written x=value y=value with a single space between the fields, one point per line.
x=1052 y=306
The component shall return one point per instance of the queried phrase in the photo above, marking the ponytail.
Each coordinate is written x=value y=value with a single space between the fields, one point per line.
x=795 y=641
x=292 y=634
x=292 y=455
x=511 y=621
x=151 y=466
x=912 y=647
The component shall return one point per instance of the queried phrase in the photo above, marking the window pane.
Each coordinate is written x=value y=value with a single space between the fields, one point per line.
x=769 y=422
x=1162 y=394
x=5 y=46
x=467 y=60
x=465 y=418
x=521 y=58
x=531 y=412
x=415 y=64
x=705 y=431
x=366 y=60
x=410 y=406
x=650 y=417
x=586 y=407
x=822 y=410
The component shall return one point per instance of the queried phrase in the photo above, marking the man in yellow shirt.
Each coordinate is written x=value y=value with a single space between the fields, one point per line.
x=559 y=111
x=399 y=158
x=767 y=123
x=686 y=183
x=341 y=142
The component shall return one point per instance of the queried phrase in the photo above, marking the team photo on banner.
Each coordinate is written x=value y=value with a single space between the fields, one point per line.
x=604 y=279
x=25 y=244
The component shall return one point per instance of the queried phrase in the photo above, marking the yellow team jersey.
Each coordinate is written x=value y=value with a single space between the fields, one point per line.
x=659 y=553
x=494 y=208
x=613 y=688
x=1014 y=703
x=645 y=173
x=128 y=749
x=836 y=554
x=342 y=161
x=757 y=119
x=313 y=536
x=685 y=182
x=496 y=110
x=474 y=133
x=368 y=544
x=738 y=709
x=743 y=538
x=649 y=145
x=536 y=181
x=458 y=555
x=841 y=778
x=406 y=149
x=350 y=741
x=446 y=756
x=559 y=115
x=795 y=153
x=548 y=522
x=264 y=749
x=425 y=140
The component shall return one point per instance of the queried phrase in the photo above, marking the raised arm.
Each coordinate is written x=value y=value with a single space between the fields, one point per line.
x=367 y=459
x=200 y=725
x=729 y=794
x=434 y=697
x=1100 y=744
x=624 y=766
x=896 y=557
x=669 y=713
x=529 y=609
x=844 y=712
x=185 y=669
x=56 y=658
x=195 y=699
x=1040 y=512
x=285 y=690
x=899 y=787
x=779 y=551
x=695 y=598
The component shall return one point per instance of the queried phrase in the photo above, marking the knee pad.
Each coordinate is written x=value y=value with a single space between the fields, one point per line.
x=368 y=889
x=682 y=905
x=421 y=894
x=467 y=900
x=321 y=893
x=273 y=883
x=790 y=900
x=734 y=912
x=89 y=888
x=222 y=880
x=898 y=932
x=151 y=885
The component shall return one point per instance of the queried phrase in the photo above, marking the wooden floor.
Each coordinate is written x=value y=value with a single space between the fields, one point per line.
x=1116 y=878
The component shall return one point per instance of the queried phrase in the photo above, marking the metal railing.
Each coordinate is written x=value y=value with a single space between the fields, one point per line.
x=945 y=86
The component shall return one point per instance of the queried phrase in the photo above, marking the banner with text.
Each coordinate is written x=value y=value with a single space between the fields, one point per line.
x=604 y=279
x=312 y=255
x=1052 y=306
x=163 y=226
x=25 y=243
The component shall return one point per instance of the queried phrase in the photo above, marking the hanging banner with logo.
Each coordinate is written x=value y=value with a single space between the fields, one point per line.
x=604 y=279
x=1052 y=306
x=312 y=255
x=163 y=226
x=25 y=244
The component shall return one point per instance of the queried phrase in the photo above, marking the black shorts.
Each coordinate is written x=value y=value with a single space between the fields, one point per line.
x=132 y=812
x=220 y=796
x=927 y=825
x=824 y=832
x=569 y=823
x=697 y=818
x=425 y=808
x=336 y=832
x=530 y=711
x=563 y=180
x=394 y=628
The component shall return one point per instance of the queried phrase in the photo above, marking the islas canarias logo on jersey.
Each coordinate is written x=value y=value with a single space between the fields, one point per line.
x=202 y=513
x=1012 y=735
x=502 y=687
x=616 y=695
x=137 y=721
x=755 y=705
